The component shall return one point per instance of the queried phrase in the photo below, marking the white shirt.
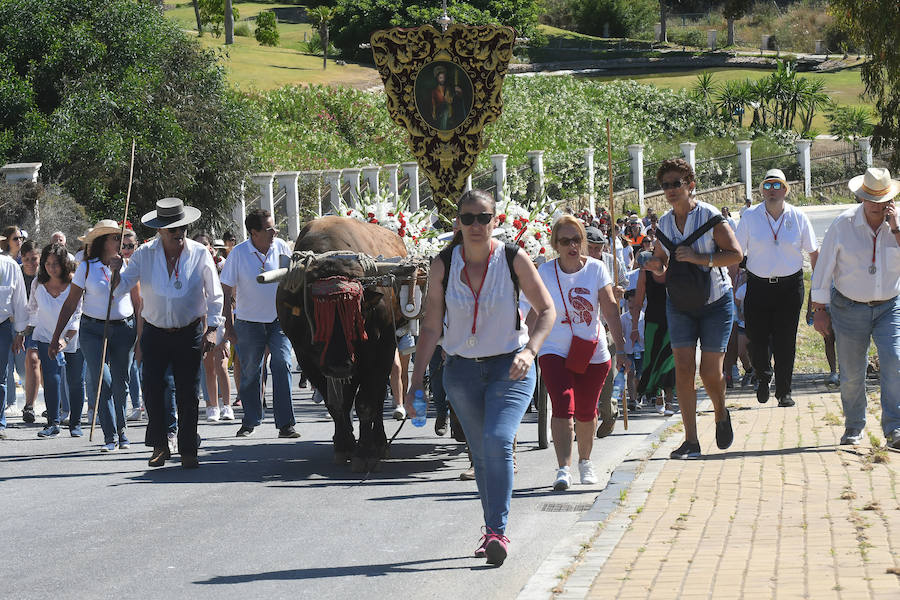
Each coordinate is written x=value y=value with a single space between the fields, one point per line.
x=608 y=261
x=167 y=305
x=495 y=330
x=581 y=290
x=255 y=301
x=44 y=311
x=12 y=294
x=623 y=254
x=630 y=346
x=95 y=283
x=846 y=256
x=719 y=281
x=756 y=235
x=739 y=296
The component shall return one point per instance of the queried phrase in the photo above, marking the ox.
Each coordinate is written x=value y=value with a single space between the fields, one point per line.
x=339 y=308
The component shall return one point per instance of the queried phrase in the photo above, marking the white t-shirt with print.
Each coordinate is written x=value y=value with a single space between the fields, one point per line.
x=95 y=283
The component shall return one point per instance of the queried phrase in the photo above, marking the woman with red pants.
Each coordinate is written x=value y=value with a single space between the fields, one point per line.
x=573 y=365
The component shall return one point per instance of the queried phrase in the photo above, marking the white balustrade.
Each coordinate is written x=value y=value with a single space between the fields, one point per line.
x=803 y=147
x=744 y=161
x=499 y=162
x=865 y=146
x=370 y=174
x=288 y=180
x=393 y=180
x=411 y=169
x=351 y=176
x=689 y=152
x=589 y=171
x=333 y=177
x=636 y=151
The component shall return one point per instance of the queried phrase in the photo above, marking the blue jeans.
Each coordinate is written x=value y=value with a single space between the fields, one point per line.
x=710 y=324
x=436 y=380
x=6 y=339
x=134 y=384
x=51 y=371
x=252 y=339
x=854 y=325
x=73 y=370
x=119 y=354
x=490 y=407
x=16 y=363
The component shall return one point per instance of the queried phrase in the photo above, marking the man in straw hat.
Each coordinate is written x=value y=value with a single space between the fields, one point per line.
x=182 y=307
x=774 y=235
x=13 y=321
x=858 y=277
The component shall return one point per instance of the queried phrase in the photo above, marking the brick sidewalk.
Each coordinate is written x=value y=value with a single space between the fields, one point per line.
x=784 y=513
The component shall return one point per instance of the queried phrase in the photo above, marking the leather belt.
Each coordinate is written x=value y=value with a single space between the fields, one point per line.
x=495 y=357
x=111 y=321
x=870 y=303
x=792 y=277
x=190 y=325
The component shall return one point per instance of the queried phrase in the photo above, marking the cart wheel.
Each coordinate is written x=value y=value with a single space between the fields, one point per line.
x=543 y=414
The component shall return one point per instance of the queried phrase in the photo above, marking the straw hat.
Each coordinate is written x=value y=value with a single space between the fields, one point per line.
x=169 y=213
x=875 y=185
x=775 y=175
x=218 y=244
x=104 y=227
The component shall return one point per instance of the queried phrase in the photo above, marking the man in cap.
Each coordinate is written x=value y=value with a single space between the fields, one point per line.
x=774 y=235
x=13 y=321
x=255 y=326
x=182 y=307
x=858 y=277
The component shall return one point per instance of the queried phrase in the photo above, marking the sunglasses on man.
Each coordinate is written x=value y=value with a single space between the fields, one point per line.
x=469 y=218
x=128 y=246
x=772 y=185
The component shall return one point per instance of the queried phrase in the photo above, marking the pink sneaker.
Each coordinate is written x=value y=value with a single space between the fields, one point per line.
x=496 y=548
x=479 y=551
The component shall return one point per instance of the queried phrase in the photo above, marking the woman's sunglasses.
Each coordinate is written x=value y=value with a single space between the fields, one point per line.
x=469 y=218
x=128 y=246
x=772 y=185
x=671 y=185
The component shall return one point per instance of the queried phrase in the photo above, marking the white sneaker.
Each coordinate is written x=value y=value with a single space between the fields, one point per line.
x=563 y=479
x=586 y=470
x=399 y=412
x=172 y=439
x=661 y=409
x=212 y=413
x=227 y=413
x=110 y=447
x=13 y=411
x=134 y=415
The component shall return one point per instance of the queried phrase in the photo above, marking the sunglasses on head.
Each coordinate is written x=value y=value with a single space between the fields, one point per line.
x=672 y=185
x=469 y=218
x=772 y=185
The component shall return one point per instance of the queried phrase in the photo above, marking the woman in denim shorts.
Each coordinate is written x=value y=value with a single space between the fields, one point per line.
x=488 y=375
x=710 y=324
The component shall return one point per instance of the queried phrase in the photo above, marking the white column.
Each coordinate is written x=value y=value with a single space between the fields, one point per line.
x=499 y=162
x=266 y=196
x=803 y=147
x=637 y=172
x=334 y=184
x=393 y=180
x=865 y=146
x=411 y=169
x=743 y=147
x=288 y=180
x=711 y=39
x=689 y=152
x=14 y=172
x=468 y=187
x=589 y=172
x=238 y=214
x=370 y=174
x=351 y=176
x=537 y=165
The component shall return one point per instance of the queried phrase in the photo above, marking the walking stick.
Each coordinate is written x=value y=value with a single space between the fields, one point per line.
x=612 y=225
x=110 y=299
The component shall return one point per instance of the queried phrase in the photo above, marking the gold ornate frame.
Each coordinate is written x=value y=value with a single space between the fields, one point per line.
x=483 y=53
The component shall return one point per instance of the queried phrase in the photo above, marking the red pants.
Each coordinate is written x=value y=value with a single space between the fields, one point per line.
x=573 y=394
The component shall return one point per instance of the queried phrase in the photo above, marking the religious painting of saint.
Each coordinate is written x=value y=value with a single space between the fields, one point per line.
x=443 y=95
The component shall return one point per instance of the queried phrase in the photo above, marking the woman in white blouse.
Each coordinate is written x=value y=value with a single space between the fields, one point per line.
x=48 y=295
x=91 y=282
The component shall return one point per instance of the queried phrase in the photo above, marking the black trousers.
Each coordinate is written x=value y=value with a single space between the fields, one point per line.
x=180 y=349
x=771 y=314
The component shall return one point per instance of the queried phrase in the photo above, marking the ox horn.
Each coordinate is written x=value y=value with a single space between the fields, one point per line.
x=273 y=276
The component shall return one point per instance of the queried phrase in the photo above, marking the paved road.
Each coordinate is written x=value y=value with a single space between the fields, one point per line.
x=272 y=518
x=822 y=216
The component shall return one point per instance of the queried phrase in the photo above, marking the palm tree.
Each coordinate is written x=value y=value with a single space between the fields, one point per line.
x=705 y=89
x=321 y=17
x=814 y=98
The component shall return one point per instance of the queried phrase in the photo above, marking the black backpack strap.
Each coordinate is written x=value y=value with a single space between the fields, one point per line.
x=698 y=233
x=665 y=241
x=446 y=255
x=512 y=250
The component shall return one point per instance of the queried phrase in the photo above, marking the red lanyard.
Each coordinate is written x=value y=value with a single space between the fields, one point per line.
x=775 y=231
x=262 y=261
x=175 y=267
x=105 y=276
x=469 y=283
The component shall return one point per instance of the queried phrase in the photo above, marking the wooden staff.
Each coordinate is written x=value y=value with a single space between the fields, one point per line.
x=109 y=301
x=614 y=235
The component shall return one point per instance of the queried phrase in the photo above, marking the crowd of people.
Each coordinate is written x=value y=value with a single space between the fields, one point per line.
x=631 y=298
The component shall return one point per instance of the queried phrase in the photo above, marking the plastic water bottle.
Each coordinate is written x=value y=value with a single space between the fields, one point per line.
x=420 y=407
x=619 y=384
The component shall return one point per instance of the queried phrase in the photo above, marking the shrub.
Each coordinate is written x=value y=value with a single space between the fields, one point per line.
x=57 y=210
x=242 y=29
x=81 y=78
x=688 y=37
x=626 y=18
x=314 y=46
x=267 y=29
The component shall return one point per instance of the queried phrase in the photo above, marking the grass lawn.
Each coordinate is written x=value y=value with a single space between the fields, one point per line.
x=844 y=87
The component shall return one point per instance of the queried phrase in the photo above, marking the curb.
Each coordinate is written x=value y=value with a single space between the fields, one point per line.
x=604 y=524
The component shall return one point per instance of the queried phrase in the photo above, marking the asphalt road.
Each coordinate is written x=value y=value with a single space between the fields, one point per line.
x=271 y=518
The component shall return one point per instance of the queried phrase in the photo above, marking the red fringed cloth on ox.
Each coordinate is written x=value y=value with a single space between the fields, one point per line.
x=343 y=297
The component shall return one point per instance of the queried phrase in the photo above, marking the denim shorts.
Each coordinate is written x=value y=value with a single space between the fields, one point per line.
x=710 y=324
x=406 y=344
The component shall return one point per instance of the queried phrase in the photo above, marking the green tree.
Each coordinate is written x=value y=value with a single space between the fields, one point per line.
x=875 y=26
x=733 y=10
x=267 y=28
x=626 y=18
x=321 y=17
x=849 y=123
x=197 y=16
x=81 y=78
x=212 y=13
